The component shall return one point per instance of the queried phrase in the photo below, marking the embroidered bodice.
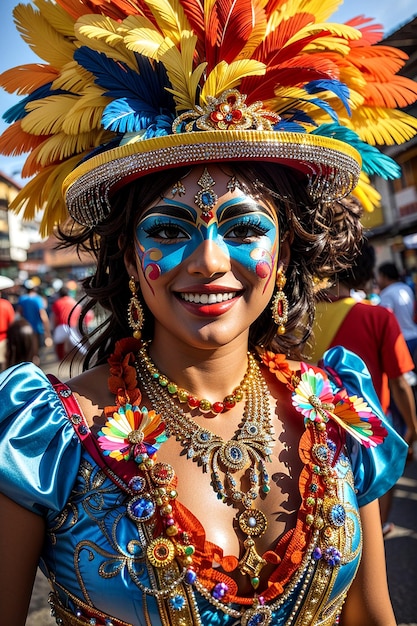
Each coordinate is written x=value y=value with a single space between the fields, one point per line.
x=107 y=552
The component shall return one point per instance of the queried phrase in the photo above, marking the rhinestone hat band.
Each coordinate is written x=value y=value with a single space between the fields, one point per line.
x=332 y=167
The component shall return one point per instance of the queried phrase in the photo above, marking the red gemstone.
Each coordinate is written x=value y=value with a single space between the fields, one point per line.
x=280 y=307
x=193 y=402
x=217 y=407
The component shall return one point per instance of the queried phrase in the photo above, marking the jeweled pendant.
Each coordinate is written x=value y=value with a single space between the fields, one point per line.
x=257 y=616
x=251 y=563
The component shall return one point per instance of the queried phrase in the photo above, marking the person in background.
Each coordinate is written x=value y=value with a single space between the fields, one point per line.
x=397 y=296
x=198 y=471
x=65 y=316
x=7 y=314
x=372 y=332
x=21 y=342
x=32 y=308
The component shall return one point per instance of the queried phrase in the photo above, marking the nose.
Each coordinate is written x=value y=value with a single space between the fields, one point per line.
x=209 y=259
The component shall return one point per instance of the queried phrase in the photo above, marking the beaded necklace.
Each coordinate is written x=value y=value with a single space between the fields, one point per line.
x=203 y=405
x=248 y=449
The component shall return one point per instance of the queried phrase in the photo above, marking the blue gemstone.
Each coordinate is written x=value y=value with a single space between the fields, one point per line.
x=190 y=577
x=337 y=515
x=235 y=453
x=177 y=602
x=141 y=509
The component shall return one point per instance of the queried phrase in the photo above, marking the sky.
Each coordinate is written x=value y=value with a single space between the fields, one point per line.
x=14 y=51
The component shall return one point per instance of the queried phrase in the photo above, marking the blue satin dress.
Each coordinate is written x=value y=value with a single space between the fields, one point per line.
x=94 y=553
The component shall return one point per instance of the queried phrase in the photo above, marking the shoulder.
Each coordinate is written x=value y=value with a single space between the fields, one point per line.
x=38 y=446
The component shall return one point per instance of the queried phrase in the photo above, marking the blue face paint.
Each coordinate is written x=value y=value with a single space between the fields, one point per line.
x=243 y=229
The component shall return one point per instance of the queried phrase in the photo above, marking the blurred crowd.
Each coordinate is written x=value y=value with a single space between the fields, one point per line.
x=34 y=316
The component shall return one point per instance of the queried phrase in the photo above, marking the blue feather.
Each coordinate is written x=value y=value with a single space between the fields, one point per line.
x=341 y=90
x=373 y=160
x=18 y=111
x=120 y=81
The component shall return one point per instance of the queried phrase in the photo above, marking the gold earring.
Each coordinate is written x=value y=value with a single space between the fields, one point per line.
x=135 y=314
x=279 y=305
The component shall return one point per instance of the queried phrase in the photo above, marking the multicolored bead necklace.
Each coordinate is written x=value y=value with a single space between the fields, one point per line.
x=184 y=396
x=248 y=449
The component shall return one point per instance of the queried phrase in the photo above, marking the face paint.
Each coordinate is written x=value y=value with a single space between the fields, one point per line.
x=244 y=229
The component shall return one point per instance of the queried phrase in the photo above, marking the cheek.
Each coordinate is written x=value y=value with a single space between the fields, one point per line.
x=258 y=258
x=158 y=260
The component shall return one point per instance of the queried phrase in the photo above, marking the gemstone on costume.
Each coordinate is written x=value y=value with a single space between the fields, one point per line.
x=141 y=508
x=137 y=483
x=177 y=602
x=234 y=455
x=259 y=616
x=321 y=452
x=162 y=473
x=337 y=515
x=190 y=577
x=160 y=552
x=253 y=522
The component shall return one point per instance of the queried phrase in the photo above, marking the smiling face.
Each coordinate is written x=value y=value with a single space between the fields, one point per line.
x=207 y=259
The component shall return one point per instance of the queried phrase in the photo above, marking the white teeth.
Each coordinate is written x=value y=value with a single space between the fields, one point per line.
x=205 y=298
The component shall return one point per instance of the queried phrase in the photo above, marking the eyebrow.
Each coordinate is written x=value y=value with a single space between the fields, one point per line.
x=236 y=207
x=171 y=210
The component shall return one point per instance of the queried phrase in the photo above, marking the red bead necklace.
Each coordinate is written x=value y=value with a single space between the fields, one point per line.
x=184 y=396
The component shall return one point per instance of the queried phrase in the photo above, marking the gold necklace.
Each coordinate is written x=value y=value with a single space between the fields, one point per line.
x=249 y=449
x=184 y=396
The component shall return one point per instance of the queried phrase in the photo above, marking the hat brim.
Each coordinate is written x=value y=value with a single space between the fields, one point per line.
x=333 y=167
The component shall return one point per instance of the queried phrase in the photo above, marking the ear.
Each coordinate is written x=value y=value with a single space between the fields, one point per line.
x=284 y=254
x=129 y=259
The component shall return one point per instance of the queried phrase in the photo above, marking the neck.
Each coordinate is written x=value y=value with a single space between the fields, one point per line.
x=210 y=373
x=338 y=291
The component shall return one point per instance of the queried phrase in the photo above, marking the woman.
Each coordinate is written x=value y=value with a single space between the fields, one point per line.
x=191 y=474
x=21 y=342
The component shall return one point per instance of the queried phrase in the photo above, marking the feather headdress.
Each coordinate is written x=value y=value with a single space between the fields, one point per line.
x=128 y=87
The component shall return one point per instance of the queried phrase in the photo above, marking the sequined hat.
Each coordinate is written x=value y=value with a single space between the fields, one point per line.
x=131 y=87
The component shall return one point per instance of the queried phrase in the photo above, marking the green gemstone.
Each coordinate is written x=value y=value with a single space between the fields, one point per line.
x=172 y=388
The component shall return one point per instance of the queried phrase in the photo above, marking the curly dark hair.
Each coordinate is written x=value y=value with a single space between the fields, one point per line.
x=323 y=238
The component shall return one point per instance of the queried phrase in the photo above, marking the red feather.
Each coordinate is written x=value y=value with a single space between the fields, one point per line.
x=370 y=34
x=276 y=40
x=238 y=21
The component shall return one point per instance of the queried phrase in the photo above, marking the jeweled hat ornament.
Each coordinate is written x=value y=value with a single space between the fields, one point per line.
x=130 y=87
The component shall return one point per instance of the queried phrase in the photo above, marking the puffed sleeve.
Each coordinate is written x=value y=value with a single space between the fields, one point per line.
x=39 y=451
x=375 y=469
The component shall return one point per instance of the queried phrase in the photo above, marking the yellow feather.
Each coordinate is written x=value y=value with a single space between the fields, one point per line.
x=47 y=115
x=226 y=76
x=379 y=126
x=179 y=66
x=85 y=115
x=319 y=11
x=367 y=195
x=46 y=42
x=45 y=189
x=60 y=147
x=170 y=17
x=107 y=37
x=72 y=78
x=25 y=78
x=141 y=36
x=58 y=18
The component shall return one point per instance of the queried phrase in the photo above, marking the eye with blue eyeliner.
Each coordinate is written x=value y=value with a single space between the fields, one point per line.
x=165 y=231
x=247 y=229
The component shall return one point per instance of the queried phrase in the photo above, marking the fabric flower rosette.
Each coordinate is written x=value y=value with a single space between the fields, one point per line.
x=132 y=433
x=314 y=399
